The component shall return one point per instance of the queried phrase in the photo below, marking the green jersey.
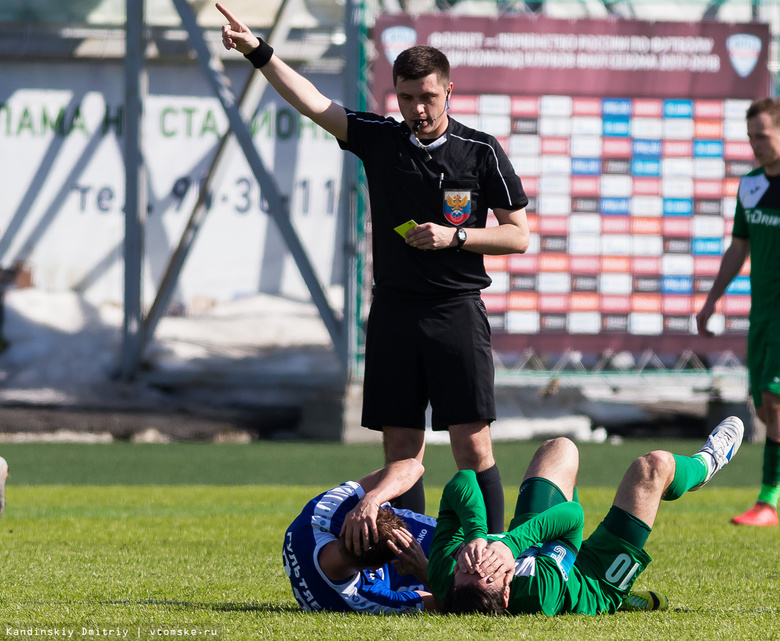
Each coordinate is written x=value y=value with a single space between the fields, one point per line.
x=757 y=219
x=547 y=577
x=544 y=546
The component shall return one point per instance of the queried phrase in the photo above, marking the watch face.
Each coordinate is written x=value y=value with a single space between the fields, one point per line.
x=462 y=235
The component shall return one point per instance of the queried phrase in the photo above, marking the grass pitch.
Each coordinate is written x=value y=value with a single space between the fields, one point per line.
x=183 y=540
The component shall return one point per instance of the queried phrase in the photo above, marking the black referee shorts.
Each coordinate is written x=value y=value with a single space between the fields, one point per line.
x=421 y=351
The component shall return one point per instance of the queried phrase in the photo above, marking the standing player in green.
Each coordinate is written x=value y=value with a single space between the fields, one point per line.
x=542 y=564
x=757 y=234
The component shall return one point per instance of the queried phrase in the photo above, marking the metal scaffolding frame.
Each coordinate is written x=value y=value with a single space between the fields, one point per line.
x=137 y=330
x=136 y=190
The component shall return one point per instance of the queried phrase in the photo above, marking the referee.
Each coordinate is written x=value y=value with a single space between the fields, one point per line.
x=431 y=182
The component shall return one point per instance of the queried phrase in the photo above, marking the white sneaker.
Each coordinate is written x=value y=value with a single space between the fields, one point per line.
x=3 y=476
x=721 y=446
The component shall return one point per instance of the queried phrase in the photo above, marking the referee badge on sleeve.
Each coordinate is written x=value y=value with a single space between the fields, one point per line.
x=457 y=205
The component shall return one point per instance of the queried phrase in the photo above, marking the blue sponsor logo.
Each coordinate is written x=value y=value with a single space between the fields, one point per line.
x=586 y=166
x=708 y=148
x=678 y=206
x=677 y=285
x=616 y=107
x=618 y=206
x=678 y=108
x=650 y=148
x=616 y=127
x=645 y=167
x=707 y=247
x=740 y=285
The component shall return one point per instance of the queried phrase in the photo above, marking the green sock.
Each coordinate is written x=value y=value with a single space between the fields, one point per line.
x=770 y=488
x=769 y=494
x=688 y=473
x=771 y=474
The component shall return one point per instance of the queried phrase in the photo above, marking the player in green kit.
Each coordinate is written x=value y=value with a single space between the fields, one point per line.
x=757 y=234
x=541 y=564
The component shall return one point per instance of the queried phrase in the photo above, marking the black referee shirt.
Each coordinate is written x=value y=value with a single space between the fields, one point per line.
x=467 y=174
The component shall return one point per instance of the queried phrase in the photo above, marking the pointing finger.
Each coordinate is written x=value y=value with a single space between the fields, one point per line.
x=231 y=18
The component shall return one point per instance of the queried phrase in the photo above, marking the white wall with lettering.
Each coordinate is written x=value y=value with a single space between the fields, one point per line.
x=62 y=181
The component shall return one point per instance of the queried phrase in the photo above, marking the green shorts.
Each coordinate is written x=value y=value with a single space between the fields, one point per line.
x=763 y=359
x=609 y=565
x=536 y=495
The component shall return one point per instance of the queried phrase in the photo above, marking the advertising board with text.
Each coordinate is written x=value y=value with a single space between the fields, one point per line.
x=630 y=140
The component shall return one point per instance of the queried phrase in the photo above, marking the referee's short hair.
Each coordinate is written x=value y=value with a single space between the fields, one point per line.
x=420 y=61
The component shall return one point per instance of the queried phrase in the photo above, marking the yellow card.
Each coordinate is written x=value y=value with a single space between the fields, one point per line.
x=405 y=227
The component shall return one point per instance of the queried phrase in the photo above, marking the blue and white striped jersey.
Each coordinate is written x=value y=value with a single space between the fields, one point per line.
x=379 y=591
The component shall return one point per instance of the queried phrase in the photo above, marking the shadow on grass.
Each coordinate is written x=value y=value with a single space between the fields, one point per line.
x=278 y=608
x=248 y=607
x=218 y=607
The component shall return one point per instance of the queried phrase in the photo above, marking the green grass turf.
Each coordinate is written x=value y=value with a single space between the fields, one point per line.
x=311 y=463
x=181 y=538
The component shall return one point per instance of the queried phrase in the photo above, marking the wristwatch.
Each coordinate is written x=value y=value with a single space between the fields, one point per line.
x=460 y=235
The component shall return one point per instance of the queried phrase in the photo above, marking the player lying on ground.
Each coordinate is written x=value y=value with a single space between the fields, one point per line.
x=348 y=550
x=542 y=564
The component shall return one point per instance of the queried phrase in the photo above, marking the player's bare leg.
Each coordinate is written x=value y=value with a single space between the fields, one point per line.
x=661 y=475
x=472 y=448
x=402 y=443
x=556 y=460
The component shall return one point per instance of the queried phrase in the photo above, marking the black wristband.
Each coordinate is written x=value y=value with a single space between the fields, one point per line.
x=260 y=56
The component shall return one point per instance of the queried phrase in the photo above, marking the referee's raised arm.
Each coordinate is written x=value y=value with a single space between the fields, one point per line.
x=302 y=95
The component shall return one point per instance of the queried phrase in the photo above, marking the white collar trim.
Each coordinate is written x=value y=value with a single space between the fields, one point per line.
x=434 y=145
